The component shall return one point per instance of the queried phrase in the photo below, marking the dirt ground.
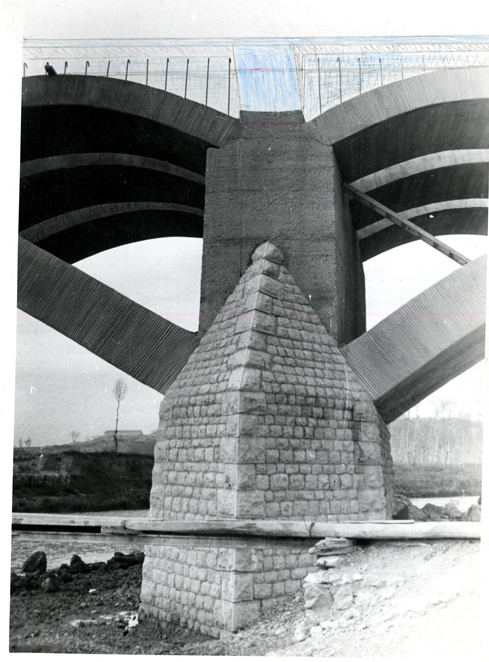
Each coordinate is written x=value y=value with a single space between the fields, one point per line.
x=424 y=603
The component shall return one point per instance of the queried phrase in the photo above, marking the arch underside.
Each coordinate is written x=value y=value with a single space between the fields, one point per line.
x=424 y=344
x=106 y=162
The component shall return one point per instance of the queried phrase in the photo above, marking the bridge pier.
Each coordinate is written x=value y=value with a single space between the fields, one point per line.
x=278 y=182
x=265 y=421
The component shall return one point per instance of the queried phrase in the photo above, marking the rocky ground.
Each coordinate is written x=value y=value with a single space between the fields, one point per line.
x=415 y=598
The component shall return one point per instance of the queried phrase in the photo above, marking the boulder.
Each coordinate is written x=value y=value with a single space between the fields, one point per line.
x=78 y=566
x=401 y=507
x=434 y=513
x=318 y=597
x=403 y=513
x=36 y=563
x=473 y=514
x=343 y=597
x=49 y=583
x=451 y=512
x=325 y=562
x=417 y=514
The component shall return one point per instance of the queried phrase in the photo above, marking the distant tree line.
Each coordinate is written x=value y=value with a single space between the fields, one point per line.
x=444 y=441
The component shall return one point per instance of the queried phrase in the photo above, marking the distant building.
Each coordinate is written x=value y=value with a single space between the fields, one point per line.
x=122 y=434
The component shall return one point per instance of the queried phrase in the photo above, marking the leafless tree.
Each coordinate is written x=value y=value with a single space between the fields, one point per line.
x=74 y=436
x=119 y=392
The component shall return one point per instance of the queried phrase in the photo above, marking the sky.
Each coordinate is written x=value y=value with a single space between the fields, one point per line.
x=57 y=381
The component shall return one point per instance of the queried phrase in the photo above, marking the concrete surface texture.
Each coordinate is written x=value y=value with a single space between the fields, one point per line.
x=277 y=182
x=265 y=421
x=424 y=344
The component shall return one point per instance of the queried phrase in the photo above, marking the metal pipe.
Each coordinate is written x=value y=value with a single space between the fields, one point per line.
x=229 y=88
x=339 y=64
x=25 y=67
x=147 y=71
x=319 y=88
x=381 y=79
x=207 y=82
x=402 y=70
x=108 y=67
x=87 y=64
x=66 y=67
x=127 y=68
x=360 y=75
x=186 y=80
x=45 y=70
x=166 y=74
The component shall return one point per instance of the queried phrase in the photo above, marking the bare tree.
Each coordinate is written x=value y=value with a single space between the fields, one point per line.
x=119 y=392
x=74 y=436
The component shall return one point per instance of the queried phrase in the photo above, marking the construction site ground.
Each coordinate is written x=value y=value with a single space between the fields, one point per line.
x=427 y=602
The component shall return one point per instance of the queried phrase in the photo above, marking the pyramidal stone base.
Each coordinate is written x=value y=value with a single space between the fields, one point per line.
x=265 y=421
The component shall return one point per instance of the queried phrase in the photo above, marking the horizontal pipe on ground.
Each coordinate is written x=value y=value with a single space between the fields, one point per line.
x=368 y=530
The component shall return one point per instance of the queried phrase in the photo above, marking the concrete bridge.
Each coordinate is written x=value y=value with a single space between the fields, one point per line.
x=277 y=409
x=107 y=162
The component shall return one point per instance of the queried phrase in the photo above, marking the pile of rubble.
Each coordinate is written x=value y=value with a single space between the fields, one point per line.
x=35 y=575
x=405 y=509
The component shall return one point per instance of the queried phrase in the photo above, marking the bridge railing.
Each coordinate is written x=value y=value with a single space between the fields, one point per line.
x=323 y=80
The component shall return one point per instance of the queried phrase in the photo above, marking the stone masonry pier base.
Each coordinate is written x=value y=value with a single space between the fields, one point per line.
x=265 y=421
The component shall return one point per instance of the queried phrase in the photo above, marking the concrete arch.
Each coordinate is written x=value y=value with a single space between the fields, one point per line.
x=114 y=152
x=57 y=224
x=457 y=182
x=470 y=203
x=65 y=161
x=133 y=99
x=417 y=146
x=458 y=220
x=424 y=344
x=421 y=164
x=372 y=108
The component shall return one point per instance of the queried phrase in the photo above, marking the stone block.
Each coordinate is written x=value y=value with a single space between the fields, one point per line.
x=270 y=252
x=245 y=477
x=258 y=301
x=250 y=504
x=248 y=560
x=262 y=591
x=251 y=449
x=368 y=452
x=237 y=587
x=343 y=597
x=369 y=431
x=250 y=357
x=318 y=597
x=228 y=450
x=226 y=559
x=245 y=378
x=246 y=613
x=241 y=424
x=374 y=476
x=279 y=482
x=227 y=503
x=252 y=339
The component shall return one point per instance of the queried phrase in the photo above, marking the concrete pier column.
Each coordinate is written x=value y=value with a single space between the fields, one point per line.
x=277 y=182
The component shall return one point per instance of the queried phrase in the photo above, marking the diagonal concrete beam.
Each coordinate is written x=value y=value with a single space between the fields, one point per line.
x=424 y=344
x=404 y=223
x=134 y=339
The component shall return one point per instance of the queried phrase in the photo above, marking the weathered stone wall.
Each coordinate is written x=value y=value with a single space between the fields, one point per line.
x=266 y=421
x=212 y=590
